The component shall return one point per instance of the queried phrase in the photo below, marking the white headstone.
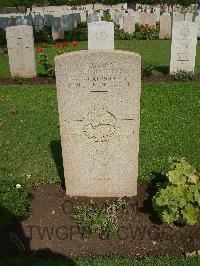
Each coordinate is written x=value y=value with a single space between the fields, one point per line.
x=100 y=35
x=165 y=27
x=183 y=48
x=99 y=113
x=21 y=52
x=129 y=23
x=57 y=28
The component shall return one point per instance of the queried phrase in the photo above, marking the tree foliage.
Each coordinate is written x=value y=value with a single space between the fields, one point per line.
x=28 y=3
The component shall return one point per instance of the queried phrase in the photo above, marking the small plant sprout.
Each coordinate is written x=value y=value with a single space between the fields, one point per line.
x=98 y=221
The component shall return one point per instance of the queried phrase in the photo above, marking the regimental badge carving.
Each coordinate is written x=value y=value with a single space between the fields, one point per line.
x=99 y=125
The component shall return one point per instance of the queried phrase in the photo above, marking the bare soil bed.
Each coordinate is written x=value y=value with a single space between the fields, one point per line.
x=50 y=228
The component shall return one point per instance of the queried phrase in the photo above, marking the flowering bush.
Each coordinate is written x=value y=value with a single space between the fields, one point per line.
x=43 y=58
x=74 y=43
x=65 y=47
x=142 y=32
x=44 y=61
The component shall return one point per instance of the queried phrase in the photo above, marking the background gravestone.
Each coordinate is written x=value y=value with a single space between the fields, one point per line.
x=183 y=48
x=100 y=35
x=21 y=53
x=197 y=21
x=38 y=23
x=129 y=23
x=93 y=18
x=67 y=22
x=165 y=26
x=99 y=112
x=178 y=17
x=57 y=28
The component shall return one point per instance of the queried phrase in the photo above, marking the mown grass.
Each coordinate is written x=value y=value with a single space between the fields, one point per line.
x=30 y=139
x=154 y=52
x=100 y=261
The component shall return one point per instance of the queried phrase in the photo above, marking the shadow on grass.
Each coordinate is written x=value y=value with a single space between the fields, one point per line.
x=151 y=191
x=15 y=248
x=56 y=151
x=162 y=69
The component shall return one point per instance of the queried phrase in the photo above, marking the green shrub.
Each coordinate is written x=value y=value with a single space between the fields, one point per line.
x=102 y=222
x=3 y=37
x=142 y=32
x=178 y=200
x=147 y=71
x=106 y=16
x=184 y=75
x=18 y=80
x=43 y=35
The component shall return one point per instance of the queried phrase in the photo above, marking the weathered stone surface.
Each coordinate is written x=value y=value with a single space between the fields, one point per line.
x=94 y=18
x=100 y=35
x=189 y=17
x=57 y=28
x=38 y=22
x=11 y=21
x=145 y=18
x=197 y=21
x=27 y=20
x=99 y=113
x=129 y=23
x=183 y=48
x=165 y=26
x=21 y=51
x=67 y=22
x=178 y=17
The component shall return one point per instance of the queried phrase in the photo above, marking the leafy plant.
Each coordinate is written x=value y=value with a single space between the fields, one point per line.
x=3 y=40
x=44 y=61
x=102 y=222
x=18 y=80
x=184 y=75
x=106 y=16
x=147 y=70
x=43 y=35
x=142 y=32
x=179 y=198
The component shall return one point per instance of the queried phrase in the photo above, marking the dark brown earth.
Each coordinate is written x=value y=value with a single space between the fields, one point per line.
x=51 y=228
x=47 y=80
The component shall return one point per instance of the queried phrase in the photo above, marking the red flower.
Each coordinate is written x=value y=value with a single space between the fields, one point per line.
x=74 y=43
x=39 y=49
x=65 y=43
x=146 y=26
x=57 y=46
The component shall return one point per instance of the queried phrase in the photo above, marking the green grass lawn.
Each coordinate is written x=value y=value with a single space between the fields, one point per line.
x=155 y=52
x=30 y=150
x=100 y=261
x=29 y=135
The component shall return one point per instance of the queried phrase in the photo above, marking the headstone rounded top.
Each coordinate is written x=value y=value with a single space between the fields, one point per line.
x=96 y=52
x=19 y=26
